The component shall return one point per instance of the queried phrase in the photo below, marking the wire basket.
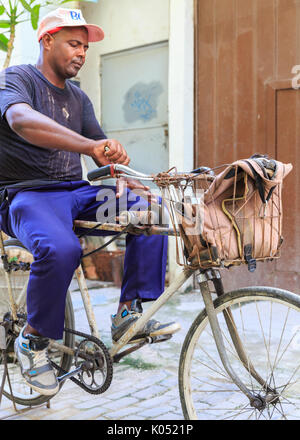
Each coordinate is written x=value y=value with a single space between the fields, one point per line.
x=232 y=218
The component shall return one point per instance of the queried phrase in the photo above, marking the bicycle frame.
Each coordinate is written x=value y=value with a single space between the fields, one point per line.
x=203 y=278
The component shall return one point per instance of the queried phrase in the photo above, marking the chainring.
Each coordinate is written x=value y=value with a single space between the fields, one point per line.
x=97 y=372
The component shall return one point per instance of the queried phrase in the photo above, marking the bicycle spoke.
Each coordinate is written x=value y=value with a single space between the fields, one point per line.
x=270 y=324
x=288 y=402
x=210 y=368
x=281 y=336
x=232 y=417
x=278 y=361
x=244 y=338
x=251 y=414
x=214 y=362
x=265 y=341
x=287 y=346
x=285 y=387
x=263 y=334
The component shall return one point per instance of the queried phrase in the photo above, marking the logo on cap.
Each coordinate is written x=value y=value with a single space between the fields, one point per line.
x=75 y=15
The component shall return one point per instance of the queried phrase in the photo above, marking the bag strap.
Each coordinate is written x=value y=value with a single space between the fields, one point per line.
x=248 y=254
x=259 y=183
x=242 y=225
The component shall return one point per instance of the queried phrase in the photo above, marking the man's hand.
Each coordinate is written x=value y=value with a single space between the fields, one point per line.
x=137 y=187
x=110 y=151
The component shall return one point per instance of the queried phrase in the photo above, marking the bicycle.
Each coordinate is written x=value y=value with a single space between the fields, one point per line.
x=243 y=345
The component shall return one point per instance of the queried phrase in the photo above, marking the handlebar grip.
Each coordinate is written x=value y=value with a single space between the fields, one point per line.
x=104 y=171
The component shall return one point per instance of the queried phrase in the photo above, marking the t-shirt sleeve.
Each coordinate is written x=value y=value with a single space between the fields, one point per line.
x=15 y=88
x=90 y=126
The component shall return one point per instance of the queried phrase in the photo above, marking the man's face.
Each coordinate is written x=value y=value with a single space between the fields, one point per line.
x=67 y=51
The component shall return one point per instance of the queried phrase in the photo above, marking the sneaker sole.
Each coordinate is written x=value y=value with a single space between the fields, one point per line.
x=42 y=391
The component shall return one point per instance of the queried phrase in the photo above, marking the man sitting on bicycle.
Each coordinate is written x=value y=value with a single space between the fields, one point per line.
x=46 y=124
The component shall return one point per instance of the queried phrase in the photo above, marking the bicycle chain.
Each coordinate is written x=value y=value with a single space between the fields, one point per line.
x=108 y=360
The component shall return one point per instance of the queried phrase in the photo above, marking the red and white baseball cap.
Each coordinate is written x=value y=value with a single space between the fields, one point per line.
x=60 y=18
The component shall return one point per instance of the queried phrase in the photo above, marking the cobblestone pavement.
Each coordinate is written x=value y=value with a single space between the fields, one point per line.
x=144 y=385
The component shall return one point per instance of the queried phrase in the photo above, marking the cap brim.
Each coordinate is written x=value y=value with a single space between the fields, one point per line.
x=95 y=32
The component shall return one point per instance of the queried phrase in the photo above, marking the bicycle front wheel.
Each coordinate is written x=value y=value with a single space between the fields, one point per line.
x=267 y=321
x=21 y=392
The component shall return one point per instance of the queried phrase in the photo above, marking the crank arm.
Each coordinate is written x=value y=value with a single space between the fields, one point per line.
x=159 y=338
x=83 y=367
x=68 y=375
x=147 y=340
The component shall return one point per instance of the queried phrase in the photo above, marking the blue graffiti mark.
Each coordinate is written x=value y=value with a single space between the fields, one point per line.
x=141 y=101
x=142 y=105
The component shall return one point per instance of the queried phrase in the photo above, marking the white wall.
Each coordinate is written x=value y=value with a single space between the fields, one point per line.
x=181 y=84
x=181 y=95
x=127 y=24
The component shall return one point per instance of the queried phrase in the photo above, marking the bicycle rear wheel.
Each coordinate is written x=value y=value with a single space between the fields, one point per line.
x=22 y=393
x=268 y=324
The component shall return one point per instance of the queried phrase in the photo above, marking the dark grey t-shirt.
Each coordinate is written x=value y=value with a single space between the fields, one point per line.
x=21 y=161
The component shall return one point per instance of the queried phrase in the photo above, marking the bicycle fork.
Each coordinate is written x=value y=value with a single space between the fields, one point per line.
x=202 y=279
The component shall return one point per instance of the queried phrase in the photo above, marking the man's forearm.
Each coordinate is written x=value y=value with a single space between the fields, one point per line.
x=39 y=130
x=43 y=132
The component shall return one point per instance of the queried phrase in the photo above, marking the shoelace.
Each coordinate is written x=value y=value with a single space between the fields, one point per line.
x=40 y=358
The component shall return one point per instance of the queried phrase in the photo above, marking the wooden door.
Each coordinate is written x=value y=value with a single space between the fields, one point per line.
x=245 y=103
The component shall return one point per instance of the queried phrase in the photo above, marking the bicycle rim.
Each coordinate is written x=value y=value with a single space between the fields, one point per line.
x=267 y=321
x=22 y=393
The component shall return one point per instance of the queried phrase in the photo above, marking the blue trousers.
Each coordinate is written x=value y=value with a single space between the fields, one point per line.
x=42 y=219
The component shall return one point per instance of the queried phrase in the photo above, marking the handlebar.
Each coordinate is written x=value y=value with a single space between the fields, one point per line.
x=118 y=170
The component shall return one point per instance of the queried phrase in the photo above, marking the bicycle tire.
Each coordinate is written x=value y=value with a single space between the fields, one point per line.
x=19 y=281
x=203 y=386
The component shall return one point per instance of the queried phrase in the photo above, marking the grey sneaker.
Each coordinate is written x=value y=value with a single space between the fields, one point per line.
x=125 y=318
x=35 y=366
